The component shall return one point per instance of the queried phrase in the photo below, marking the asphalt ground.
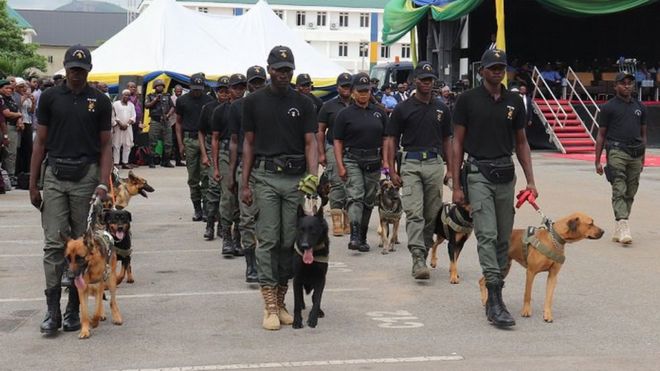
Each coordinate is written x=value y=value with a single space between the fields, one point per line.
x=189 y=308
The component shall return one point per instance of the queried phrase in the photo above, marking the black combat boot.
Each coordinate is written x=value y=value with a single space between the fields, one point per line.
x=209 y=233
x=166 y=161
x=354 y=242
x=71 y=320
x=419 y=269
x=250 y=266
x=496 y=311
x=53 y=320
x=238 y=249
x=364 y=229
x=227 y=242
x=150 y=161
x=197 y=216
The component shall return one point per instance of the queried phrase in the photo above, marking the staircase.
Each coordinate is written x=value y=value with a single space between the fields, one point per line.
x=566 y=129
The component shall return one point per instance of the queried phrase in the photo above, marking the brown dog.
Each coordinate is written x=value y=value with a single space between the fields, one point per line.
x=545 y=253
x=453 y=224
x=118 y=224
x=129 y=187
x=93 y=261
x=389 y=212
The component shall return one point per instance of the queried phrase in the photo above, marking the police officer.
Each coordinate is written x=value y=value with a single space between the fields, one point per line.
x=229 y=212
x=205 y=139
x=358 y=135
x=161 y=107
x=304 y=86
x=256 y=79
x=623 y=134
x=325 y=139
x=74 y=129
x=280 y=126
x=188 y=110
x=423 y=126
x=488 y=120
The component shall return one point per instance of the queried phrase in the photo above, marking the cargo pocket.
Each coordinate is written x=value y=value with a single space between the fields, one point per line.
x=406 y=191
x=476 y=208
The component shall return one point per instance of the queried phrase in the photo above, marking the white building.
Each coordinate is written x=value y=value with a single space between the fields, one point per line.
x=346 y=31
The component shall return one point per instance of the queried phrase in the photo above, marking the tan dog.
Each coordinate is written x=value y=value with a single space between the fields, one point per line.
x=129 y=187
x=389 y=212
x=545 y=253
x=93 y=261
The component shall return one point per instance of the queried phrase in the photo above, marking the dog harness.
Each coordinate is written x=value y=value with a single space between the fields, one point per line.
x=320 y=259
x=390 y=214
x=529 y=239
x=459 y=225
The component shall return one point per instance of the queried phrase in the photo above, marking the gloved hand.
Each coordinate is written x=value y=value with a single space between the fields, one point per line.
x=308 y=184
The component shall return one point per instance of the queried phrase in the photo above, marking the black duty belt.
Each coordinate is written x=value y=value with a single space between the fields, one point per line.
x=289 y=165
x=191 y=134
x=421 y=156
x=363 y=152
x=224 y=145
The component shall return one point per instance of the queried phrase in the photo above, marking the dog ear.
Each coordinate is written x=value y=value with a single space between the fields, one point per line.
x=130 y=217
x=88 y=239
x=573 y=224
x=319 y=212
x=131 y=176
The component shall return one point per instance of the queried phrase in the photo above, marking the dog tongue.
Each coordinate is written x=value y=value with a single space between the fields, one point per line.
x=308 y=256
x=79 y=282
x=119 y=235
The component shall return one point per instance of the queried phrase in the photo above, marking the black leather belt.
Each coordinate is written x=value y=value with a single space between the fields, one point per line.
x=190 y=134
x=421 y=156
x=363 y=152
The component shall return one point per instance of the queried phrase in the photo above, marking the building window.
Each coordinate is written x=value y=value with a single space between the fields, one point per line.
x=279 y=13
x=384 y=51
x=300 y=18
x=321 y=18
x=343 y=49
x=364 y=20
x=364 y=49
x=405 y=50
x=203 y=9
x=50 y=59
x=343 y=19
x=238 y=11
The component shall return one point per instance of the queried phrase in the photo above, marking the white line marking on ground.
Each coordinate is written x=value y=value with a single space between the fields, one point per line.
x=146 y=252
x=179 y=294
x=339 y=362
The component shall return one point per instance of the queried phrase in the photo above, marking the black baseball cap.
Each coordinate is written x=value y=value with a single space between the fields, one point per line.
x=237 y=78
x=622 y=76
x=281 y=56
x=303 y=79
x=345 y=79
x=78 y=56
x=197 y=81
x=493 y=57
x=361 y=81
x=4 y=83
x=223 y=82
x=256 y=72
x=424 y=70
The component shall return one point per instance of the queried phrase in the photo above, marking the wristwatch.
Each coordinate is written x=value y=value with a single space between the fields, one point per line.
x=5 y=136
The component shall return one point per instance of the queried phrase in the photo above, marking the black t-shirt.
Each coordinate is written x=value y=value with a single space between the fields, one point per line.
x=361 y=128
x=235 y=118
x=206 y=117
x=328 y=114
x=490 y=125
x=10 y=104
x=74 y=121
x=190 y=108
x=422 y=125
x=161 y=108
x=623 y=120
x=316 y=101
x=279 y=121
x=220 y=121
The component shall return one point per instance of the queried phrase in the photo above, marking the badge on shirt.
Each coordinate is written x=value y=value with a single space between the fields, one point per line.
x=439 y=113
x=91 y=104
x=293 y=112
x=638 y=113
x=377 y=114
x=509 y=114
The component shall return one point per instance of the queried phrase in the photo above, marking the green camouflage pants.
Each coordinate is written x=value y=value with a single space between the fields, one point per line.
x=625 y=172
x=229 y=212
x=214 y=190
x=160 y=131
x=9 y=162
x=277 y=198
x=198 y=179
x=492 y=212
x=248 y=218
x=422 y=199
x=337 y=187
x=66 y=206
x=361 y=189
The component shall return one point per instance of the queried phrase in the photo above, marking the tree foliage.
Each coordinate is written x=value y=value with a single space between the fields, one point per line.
x=12 y=47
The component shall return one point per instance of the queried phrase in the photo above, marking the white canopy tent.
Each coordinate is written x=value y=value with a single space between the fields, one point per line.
x=170 y=38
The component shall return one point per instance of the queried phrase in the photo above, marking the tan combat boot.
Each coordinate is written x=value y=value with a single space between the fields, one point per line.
x=337 y=228
x=626 y=237
x=271 y=321
x=347 y=222
x=283 y=315
x=616 y=237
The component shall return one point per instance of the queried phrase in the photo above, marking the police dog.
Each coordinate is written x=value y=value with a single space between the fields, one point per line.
x=453 y=224
x=128 y=187
x=118 y=224
x=323 y=189
x=93 y=261
x=542 y=250
x=389 y=212
x=310 y=265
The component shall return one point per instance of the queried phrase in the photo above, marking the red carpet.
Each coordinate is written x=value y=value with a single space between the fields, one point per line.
x=650 y=160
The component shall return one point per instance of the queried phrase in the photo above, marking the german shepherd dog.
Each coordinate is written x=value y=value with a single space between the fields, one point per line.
x=310 y=265
x=389 y=212
x=93 y=261
x=125 y=188
x=454 y=224
x=118 y=224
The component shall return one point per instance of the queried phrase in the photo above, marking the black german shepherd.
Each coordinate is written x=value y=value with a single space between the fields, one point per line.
x=310 y=265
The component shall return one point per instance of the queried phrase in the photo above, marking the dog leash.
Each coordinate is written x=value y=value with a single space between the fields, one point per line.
x=527 y=196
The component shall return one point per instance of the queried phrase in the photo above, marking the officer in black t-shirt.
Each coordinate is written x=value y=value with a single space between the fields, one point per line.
x=623 y=133
x=205 y=139
x=74 y=129
x=161 y=107
x=488 y=121
x=280 y=127
x=422 y=124
x=14 y=119
x=358 y=135
x=304 y=86
x=325 y=139
x=256 y=79
x=188 y=111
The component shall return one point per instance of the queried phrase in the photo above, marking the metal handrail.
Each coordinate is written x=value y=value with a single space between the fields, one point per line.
x=536 y=76
x=572 y=84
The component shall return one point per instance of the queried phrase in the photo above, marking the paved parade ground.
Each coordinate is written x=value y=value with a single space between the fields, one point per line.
x=190 y=308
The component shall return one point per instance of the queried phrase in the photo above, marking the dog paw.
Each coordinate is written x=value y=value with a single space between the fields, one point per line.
x=380 y=244
x=547 y=317
x=94 y=322
x=397 y=241
x=526 y=312
x=312 y=322
x=84 y=334
x=321 y=313
x=130 y=281
x=384 y=251
x=103 y=318
x=297 y=325
x=454 y=281
x=117 y=322
x=392 y=249
x=434 y=265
